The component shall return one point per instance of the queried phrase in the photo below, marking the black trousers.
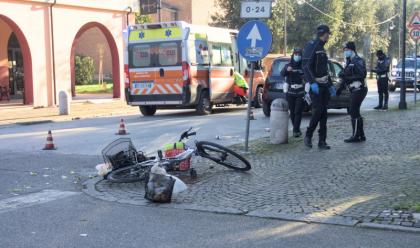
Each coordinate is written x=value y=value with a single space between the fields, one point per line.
x=383 y=91
x=356 y=99
x=319 y=113
x=296 y=108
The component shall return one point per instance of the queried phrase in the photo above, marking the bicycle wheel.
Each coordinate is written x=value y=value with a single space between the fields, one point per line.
x=129 y=174
x=223 y=156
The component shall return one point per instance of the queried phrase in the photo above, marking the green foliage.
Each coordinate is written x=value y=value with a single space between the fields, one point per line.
x=84 y=69
x=140 y=19
x=349 y=21
x=94 y=89
x=230 y=16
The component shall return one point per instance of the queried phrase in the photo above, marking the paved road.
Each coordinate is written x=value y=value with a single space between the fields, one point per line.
x=41 y=204
x=89 y=136
x=65 y=217
x=80 y=221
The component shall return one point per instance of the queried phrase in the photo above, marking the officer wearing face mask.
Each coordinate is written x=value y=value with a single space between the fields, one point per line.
x=353 y=76
x=294 y=89
x=315 y=69
x=382 y=70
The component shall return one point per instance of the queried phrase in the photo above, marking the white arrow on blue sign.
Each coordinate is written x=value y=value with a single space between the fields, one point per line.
x=254 y=40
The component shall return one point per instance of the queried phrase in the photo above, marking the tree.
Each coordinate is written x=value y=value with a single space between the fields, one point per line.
x=230 y=16
x=276 y=23
x=308 y=18
x=355 y=20
x=140 y=19
x=84 y=69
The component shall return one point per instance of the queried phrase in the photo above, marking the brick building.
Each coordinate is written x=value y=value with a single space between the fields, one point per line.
x=191 y=11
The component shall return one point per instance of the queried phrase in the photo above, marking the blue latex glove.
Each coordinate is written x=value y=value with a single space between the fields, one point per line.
x=315 y=88
x=333 y=91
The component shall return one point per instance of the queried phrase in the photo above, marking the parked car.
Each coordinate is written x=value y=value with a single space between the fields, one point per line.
x=396 y=76
x=274 y=86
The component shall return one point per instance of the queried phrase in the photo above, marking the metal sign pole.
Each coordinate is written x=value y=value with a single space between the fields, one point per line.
x=248 y=116
x=415 y=74
x=160 y=10
x=403 y=103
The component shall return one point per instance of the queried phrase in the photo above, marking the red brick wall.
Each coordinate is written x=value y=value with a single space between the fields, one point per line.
x=184 y=12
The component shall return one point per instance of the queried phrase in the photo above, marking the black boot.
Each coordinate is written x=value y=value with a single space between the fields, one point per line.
x=353 y=124
x=386 y=101
x=362 y=136
x=380 y=102
x=323 y=145
x=308 y=141
x=355 y=137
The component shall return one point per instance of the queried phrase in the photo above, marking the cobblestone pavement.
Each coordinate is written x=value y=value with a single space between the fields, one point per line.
x=349 y=184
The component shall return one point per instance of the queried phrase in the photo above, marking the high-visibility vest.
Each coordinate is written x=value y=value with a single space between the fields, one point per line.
x=240 y=80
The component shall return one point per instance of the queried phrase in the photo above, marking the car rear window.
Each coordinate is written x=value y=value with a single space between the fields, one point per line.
x=277 y=66
x=409 y=63
x=155 y=54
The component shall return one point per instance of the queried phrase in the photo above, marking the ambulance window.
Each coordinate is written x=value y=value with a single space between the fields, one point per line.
x=140 y=56
x=216 y=55
x=227 y=57
x=169 y=54
x=198 y=52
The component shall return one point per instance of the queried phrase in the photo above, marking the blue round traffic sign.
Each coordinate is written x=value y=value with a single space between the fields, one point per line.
x=254 y=40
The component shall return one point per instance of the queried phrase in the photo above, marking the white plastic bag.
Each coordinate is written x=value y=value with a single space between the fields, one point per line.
x=103 y=169
x=179 y=185
x=156 y=169
x=307 y=87
x=285 y=87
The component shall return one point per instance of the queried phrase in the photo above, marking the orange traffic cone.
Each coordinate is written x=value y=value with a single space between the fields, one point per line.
x=121 y=130
x=50 y=144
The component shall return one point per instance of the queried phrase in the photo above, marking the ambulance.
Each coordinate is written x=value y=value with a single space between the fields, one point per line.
x=176 y=65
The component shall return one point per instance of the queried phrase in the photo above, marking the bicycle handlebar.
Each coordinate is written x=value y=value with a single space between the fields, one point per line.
x=187 y=134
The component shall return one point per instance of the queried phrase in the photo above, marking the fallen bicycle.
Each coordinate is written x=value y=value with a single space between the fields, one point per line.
x=126 y=164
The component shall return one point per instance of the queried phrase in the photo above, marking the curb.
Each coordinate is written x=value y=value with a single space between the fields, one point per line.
x=90 y=189
x=333 y=220
x=389 y=227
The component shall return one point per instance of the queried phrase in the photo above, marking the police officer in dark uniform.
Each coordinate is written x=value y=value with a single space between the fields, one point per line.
x=294 y=89
x=315 y=69
x=382 y=70
x=353 y=76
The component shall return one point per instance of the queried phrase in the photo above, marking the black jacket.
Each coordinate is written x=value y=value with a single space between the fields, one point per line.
x=355 y=70
x=294 y=77
x=382 y=66
x=315 y=61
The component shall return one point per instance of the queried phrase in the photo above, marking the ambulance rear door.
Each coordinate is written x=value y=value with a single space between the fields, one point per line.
x=222 y=69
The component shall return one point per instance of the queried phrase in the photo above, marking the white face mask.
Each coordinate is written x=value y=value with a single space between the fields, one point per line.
x=348 y=54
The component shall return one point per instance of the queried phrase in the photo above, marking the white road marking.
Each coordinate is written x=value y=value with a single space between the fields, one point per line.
x=44 y=196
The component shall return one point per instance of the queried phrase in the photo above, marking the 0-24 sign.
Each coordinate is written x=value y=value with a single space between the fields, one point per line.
x=256 y=9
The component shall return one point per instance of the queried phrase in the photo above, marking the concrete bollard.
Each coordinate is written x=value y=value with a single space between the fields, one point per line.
x=64 y=103
x=279 y=122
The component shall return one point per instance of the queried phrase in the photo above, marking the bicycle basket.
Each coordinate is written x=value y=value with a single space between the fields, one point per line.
x=120 y=153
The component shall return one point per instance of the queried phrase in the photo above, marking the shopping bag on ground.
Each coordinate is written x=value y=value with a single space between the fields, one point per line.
x=179 y=186
x=159 y=188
